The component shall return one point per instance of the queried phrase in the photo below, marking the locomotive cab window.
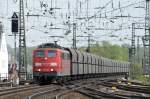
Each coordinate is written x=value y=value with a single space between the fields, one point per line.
x=39 y=54
x=51 y=53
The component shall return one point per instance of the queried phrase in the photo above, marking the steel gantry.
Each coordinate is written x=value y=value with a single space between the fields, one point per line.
x=146 y=40
x=132 y=53
x=132 y=49
x=22 y=43
x=133 y=44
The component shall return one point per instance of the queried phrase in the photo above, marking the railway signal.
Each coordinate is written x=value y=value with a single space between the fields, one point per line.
x=14 y=23
x=14 y=29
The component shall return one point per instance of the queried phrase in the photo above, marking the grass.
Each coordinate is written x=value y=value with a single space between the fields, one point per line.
x=144 y=80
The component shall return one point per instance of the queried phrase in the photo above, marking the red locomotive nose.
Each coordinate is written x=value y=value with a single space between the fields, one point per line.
x=53 y=64
x=46 y=60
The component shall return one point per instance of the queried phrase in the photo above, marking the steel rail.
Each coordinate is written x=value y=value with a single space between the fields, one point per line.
x=42 y=93
x=97 y=94
x=145 y=90
x=18 y=89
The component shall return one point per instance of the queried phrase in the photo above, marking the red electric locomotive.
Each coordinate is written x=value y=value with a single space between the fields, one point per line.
x=49 y=62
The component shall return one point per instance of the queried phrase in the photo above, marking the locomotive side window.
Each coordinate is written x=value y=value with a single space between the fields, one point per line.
x=51 y=53
x=39 y=54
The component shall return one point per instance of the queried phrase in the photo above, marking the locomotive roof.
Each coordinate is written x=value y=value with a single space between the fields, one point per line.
x=50 y=45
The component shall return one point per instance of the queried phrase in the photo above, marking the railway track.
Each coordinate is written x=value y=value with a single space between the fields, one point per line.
x=87 y=88
x=48 y=94
x=5 y=84
x=97 y=94
x=36 y=95
x=57 y=93
x=125 y=93
x=17 y=89
x=23 y=92
x=136 y=83
x=140 y=89
x=73 y=87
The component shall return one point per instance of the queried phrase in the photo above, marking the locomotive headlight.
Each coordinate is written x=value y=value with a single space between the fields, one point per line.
x=52 y=70
x=39 y=70
x=38 y=64
x=45 y=58
x=53 y=64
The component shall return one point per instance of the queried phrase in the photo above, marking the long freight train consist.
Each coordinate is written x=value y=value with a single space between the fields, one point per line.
x=52 y=62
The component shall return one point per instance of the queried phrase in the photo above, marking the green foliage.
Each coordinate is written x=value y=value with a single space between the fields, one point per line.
x=136 y=71
x=136 y=74
x=110 y=51
x=143 y=79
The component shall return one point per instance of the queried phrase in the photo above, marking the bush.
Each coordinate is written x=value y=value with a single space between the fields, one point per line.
x=136 y=71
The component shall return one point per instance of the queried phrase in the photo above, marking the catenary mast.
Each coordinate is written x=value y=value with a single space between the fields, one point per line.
x=22 y=43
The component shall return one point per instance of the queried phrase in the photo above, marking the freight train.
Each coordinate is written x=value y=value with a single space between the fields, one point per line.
x=53 y=62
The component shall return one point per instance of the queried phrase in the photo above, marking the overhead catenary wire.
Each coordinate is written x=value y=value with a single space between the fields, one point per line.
x=116 y=9
x=81 y=7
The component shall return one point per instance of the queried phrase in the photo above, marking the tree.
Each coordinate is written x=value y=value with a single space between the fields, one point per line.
x=110 y=51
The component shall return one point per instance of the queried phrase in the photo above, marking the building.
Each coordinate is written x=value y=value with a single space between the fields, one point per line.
x=3 y=55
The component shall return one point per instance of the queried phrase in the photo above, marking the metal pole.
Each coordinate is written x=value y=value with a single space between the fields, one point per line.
x=89 y=39
x=138 y=48
x=149 y=52
x=74 y=35
x=132 y=50
x=144 y=58
x=15 y=56
x=147 y=38
x=133 y=44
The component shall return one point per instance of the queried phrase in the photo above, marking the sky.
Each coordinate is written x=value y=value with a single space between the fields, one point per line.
x=109 y=20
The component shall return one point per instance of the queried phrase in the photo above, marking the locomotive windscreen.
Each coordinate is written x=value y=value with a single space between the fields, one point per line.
x=39 y=53
x=51 y=53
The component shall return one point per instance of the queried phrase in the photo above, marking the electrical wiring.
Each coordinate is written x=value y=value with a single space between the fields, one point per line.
x=107 y=17
x=135 y=3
